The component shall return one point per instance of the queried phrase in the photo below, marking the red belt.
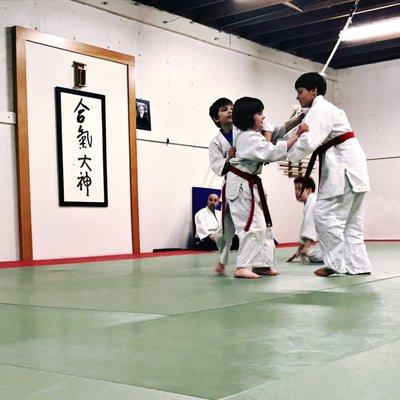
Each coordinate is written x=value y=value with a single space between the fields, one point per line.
x=320 y=151
x=253 y=180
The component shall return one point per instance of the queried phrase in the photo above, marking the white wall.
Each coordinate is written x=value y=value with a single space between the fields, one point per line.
x=370 y=96
x=9 y=240
x=61 y=232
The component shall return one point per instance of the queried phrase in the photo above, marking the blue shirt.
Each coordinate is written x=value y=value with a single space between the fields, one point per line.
x=228 y=136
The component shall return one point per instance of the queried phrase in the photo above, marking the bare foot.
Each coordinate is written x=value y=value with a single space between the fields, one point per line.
x=246 y=274
x=324 y=272
x=220 y=269
x=266 y=271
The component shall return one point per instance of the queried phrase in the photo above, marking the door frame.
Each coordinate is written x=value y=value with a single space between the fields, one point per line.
x=21 y=36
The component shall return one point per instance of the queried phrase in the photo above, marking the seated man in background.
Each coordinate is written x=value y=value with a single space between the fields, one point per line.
x=207 y=221
x=308 y=249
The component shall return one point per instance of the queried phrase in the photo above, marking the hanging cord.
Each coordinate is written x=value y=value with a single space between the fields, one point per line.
x=349 y=20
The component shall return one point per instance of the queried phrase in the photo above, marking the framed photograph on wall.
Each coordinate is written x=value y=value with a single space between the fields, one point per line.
x=81 y=148
x=143 y=120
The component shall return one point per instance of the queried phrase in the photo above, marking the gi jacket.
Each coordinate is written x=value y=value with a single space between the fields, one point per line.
x=206 y=222
x=218 y=153
x=307 y=230
x=326 y=121
x=252 y=151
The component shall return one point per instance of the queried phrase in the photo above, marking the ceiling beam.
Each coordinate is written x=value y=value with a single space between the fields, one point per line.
x=306 y=18
x=346 y=49
x=229 y=8
x=280 y=39
x=292 y=5
x=286 y=13
x=183 y=6
x=309 y=41
x=366 y=58
x=234 y=22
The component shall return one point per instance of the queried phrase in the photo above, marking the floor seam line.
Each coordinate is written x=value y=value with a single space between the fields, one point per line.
x=95 y=379
x=282 y=297
x=82 y=309
x=232 y=396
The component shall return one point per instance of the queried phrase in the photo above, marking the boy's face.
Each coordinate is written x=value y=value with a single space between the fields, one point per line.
x=259 y=120
x=306 y=97
x=225 y=115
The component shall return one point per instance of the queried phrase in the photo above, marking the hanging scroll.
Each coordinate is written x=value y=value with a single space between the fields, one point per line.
x=81 y=146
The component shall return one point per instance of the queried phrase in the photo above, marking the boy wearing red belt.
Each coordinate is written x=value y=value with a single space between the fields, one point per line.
x=339 y=210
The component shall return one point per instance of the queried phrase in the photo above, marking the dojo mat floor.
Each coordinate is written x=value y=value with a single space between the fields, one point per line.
x=167 y=328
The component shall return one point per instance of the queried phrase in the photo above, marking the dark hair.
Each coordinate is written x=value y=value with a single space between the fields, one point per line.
x=214 y=108
x=244 y=110
x=306 y=183
x=312 y=80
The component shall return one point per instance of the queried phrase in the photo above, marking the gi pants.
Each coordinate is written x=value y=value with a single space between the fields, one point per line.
x=339 y=222
x=256 y=246
x=314 y=254
x=224 y=237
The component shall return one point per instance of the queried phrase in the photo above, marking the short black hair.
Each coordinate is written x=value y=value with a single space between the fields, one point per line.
x=214 y=108
x=244 y=110
x=312 y=80
x=306 y=183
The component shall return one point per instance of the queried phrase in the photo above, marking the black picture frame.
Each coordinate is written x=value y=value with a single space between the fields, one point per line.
x=143 y=116
x=71 y=129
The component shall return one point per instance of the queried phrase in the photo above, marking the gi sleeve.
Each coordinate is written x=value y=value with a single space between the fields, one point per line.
x=218 y=162
x=258 y=149
x=320 y=123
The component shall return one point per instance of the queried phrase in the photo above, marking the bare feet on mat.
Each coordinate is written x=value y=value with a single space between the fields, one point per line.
x=324 y=272
x=246 y=274
x=220 y=269
x=265 y=271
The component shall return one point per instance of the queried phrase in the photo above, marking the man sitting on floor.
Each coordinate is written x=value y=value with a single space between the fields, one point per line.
x=207 y=221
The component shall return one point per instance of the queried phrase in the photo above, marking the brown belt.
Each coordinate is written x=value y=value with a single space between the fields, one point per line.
x=320 y=151
x=253 y=180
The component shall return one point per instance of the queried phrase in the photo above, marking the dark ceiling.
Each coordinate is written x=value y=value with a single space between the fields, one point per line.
x=306 y=28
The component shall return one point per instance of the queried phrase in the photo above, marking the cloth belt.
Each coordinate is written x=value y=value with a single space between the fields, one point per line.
x=320 y=151
x=253 y=180
x=223 y=198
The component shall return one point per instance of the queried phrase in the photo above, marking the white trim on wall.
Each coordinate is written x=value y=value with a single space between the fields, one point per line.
x=7 y=117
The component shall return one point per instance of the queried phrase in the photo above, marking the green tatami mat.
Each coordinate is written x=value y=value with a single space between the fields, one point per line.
x=168 y=327
x=26 y=384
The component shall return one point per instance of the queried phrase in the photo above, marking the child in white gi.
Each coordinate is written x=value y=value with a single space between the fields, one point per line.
x=244 y=193
x=339 y=211
x=220 y=151
x=309 y=248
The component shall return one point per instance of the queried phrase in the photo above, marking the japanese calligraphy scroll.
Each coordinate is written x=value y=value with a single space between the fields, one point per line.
x=81 y=145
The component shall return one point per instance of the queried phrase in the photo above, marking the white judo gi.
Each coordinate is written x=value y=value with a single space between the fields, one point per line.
x=207 y=222
x=344 y=181
x=218 y=156
x=256 y=246
x=308 y=231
